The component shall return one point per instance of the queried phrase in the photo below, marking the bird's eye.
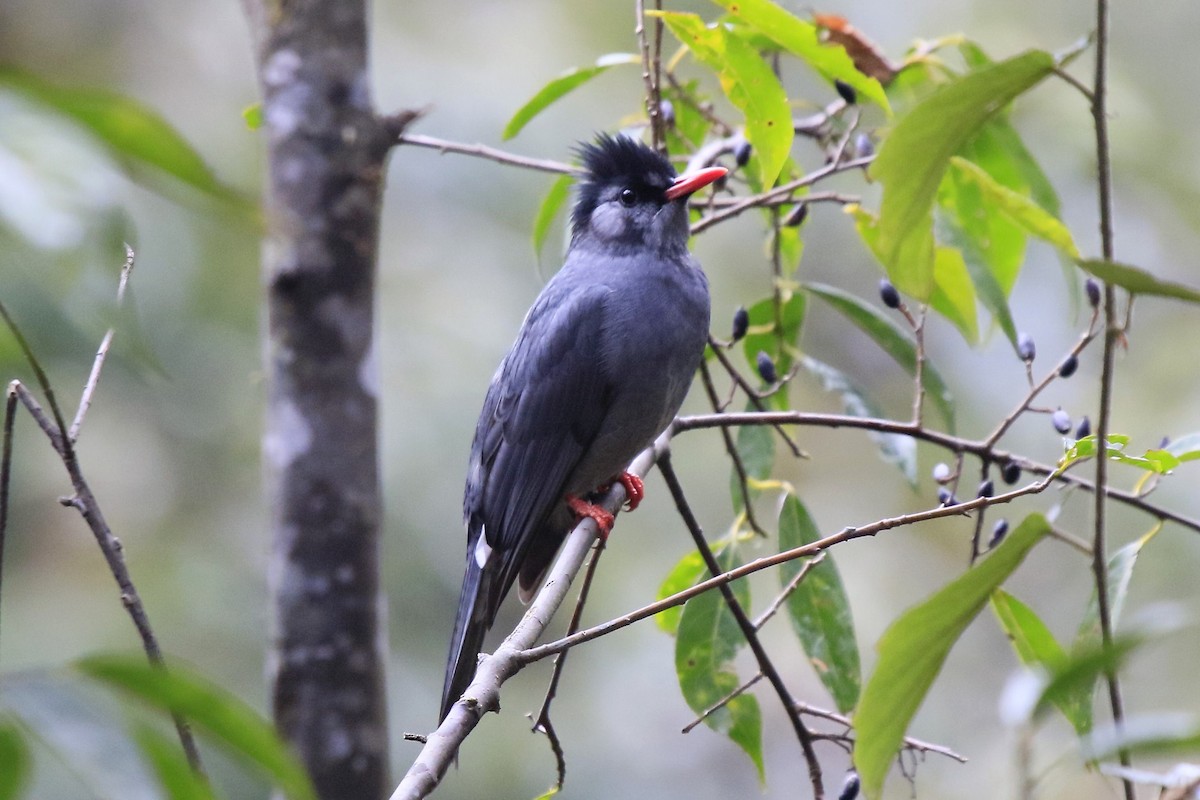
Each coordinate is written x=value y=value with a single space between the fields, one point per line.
x=628 y=198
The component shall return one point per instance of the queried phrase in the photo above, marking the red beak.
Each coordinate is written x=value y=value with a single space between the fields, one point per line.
x=692 y=181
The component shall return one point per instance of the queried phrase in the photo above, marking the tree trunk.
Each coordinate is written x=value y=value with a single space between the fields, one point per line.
x=326 y=151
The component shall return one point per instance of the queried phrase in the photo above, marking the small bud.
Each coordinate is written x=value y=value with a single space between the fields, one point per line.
x=1026 y=349
x=1067 y=368
x=1061 y=421
x=946 y=497
x=889 y=294
x=741 y=153
x=863 y=146
x=987 y=488
x=849 y=786
x=845 y=91
x=766 y=367
x=741 y=323
x=1084 y=429
x=1010 y=472
x=1162 y=445
x=666 y=112
x=998 y=532
x=796 y=216
x=1092 y=287
x=941 y=472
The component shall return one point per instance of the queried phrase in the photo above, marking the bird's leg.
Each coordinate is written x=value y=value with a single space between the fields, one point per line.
x=582 y=509
x=634 y=489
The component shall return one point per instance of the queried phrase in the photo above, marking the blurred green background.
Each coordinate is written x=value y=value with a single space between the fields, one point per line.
x=171 y=444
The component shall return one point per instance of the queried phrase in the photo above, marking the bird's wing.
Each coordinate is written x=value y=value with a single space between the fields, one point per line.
x=542 y=412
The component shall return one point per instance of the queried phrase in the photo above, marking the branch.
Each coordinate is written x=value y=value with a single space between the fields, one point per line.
x=93 y=380
x=489 y=153
x=765 y=665
x=483 y=694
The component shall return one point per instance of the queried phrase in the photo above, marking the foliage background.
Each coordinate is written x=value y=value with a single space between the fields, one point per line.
x=172 y=442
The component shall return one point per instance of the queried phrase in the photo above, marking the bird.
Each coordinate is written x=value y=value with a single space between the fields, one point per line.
x=599 y=368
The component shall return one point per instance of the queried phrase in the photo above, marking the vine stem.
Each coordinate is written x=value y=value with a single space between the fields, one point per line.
x=1112 y=332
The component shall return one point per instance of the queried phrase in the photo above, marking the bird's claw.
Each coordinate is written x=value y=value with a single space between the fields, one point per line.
x=583 y=509
x=635 y=490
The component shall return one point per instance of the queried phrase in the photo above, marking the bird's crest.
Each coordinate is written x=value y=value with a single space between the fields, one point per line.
x=617 y=160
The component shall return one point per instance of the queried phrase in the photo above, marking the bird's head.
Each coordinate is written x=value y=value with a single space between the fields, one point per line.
x=631 y=199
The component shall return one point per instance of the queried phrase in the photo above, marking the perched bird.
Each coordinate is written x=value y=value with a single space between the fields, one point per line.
x=599 y=368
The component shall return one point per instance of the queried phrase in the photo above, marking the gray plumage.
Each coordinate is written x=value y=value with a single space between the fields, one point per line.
x=599 y=368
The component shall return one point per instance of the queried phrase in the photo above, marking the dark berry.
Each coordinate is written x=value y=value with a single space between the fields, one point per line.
x=1067 y=368
x=1162 y=445
x=998 y=532
x=1061 y=421
x=863 y=146
x=741 y=323
x=941 y=472
x=766 y=367
x=889 y=294
x=1092 y=286
x=946 y=497
x=849 y=787
x=1084 y=430
x=987 y=488
x=741 y=153
x=1026 y=349
x=796 y=216
x=666 y=112
x=1010 y=472
x=845 y=91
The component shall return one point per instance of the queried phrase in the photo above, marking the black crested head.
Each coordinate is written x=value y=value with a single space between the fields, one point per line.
x=618 y=161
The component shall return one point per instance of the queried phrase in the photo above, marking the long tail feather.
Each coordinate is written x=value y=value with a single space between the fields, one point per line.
x=469 y=629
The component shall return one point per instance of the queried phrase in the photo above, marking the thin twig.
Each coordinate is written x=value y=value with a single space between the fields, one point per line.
x=755 y=398
x=93 y=380
x=766 y=562
x=724 y=701
x=85 y=502
x=909 y=742
x=1112 y=333
x=490 y=153
x=739 y=467
x=792 y=585
x=6 y=449
x=781 y=192
x=747 y=627
x=543 y=723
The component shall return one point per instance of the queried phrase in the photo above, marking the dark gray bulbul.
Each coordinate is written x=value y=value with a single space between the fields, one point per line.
x=598 y=370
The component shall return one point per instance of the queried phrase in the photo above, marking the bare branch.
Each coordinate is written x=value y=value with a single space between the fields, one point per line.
x=93 y=380
x=490 y=153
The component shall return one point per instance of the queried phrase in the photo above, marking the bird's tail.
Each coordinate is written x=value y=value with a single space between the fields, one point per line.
x=469 y=629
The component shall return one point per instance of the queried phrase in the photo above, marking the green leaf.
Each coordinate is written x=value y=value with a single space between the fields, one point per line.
x=252 y=115
x=914 y=647
x=915 y=156
x=130 y=130
x=1120 y=573
x=14 y=761
x=208 y=707
x=800 y=38
x=1076 y=679
x=684 y=575
x=756 y=448
x=1138 y=281
x=560 y=87
x=1034 y=219
x=892 y=340
x=551 y=204
x=1185 y=448
x=978 y=258
x=82 y=728
x=171 y=765
x=820 y=610
x=894 y=448
x=749 y=83
x=707 y=640
x=953 y=294
x=1037 y=647
x=1154 y=735
x=1155 y=460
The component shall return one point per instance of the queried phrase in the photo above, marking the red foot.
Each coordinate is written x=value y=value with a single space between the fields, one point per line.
x=635 y=490
x=582 y=509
